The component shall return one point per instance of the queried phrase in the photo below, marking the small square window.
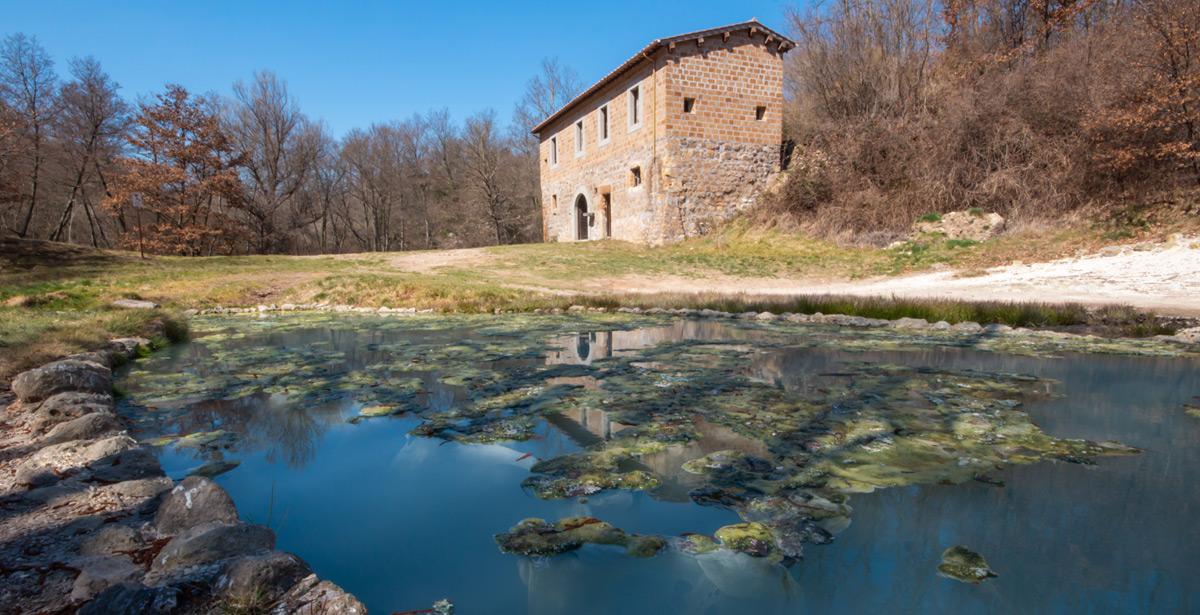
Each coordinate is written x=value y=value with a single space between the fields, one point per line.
x=635 y=177
x=760 y=112
x=689 y=105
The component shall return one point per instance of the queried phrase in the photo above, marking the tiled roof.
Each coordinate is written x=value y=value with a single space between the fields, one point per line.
x=784 y=44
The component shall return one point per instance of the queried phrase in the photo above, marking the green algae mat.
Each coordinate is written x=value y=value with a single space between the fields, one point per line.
x=780 y=427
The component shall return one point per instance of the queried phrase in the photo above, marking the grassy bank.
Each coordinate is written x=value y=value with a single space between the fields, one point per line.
x=55 y=299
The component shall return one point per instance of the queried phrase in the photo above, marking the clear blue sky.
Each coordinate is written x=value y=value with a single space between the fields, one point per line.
x=354 y=63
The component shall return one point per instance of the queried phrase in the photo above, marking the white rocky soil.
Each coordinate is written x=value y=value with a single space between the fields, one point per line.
x=1162 y=277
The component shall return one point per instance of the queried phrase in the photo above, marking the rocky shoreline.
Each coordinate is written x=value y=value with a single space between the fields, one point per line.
x=89 y=522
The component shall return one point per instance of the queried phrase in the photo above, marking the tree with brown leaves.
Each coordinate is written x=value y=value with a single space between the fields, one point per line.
x=182 y=186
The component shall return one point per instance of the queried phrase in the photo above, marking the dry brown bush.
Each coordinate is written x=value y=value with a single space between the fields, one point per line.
x=1035 y=110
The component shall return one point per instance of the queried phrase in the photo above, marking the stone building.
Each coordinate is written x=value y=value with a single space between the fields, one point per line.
x=680 y=137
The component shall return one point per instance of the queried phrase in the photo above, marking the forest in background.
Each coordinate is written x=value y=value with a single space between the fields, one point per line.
x=177 y=172
x=1045 y=111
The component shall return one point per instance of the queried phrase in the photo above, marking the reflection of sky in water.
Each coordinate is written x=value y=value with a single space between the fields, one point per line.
x=402 y=521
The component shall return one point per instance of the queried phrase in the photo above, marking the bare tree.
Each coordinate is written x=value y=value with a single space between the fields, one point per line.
x=91 y=130
x=484 y=160
x=279 y=147
x=545 y=93
x=27 y=85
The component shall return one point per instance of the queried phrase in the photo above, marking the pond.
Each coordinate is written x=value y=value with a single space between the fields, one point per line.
x=389 y=452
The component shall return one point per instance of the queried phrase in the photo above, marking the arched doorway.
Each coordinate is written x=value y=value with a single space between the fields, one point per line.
x=581 y=218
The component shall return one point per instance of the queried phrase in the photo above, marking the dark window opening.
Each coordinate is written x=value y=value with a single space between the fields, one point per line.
x=635 y=176
x=604 y=122
x=760 y=112
x=689 y=104
x=635 y=104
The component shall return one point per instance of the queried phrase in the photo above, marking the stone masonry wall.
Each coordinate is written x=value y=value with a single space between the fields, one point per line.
x=698 y=168
x=604 y=166
x=719 y=157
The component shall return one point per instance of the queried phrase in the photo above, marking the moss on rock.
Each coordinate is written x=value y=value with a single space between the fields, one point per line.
x=962 y=564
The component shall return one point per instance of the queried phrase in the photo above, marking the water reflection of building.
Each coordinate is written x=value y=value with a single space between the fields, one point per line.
x=584 y=348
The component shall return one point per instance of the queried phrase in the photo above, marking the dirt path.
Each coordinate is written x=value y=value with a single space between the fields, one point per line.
x=1163 y=278
x=426 y=261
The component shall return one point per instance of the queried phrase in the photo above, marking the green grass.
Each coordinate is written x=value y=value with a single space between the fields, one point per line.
x=54 y=299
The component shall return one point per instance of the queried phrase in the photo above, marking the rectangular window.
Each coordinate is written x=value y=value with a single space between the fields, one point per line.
x=553 y=150
x=635 y=106
x=603 y=123
x=635 y=177
x=689 y=105
x=760 y=113
x=579 y=137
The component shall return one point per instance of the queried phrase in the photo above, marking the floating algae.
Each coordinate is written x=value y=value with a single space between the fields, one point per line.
x=537 y=537
x=760 y=418
x=754 y=539
x=962 y=564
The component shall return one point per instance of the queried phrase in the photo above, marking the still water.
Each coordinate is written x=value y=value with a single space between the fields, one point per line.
x=401 y=520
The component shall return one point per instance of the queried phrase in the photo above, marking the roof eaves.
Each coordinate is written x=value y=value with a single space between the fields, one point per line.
x=785 y=44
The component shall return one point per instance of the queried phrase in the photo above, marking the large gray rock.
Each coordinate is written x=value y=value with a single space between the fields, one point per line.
x=110 y=539
x=131 y=598
x=97 y=574
x=266 y=577
x=1190 y=335
x=34 y=476
x=194 y=501
x=60 y=377
x=134 y=304
x=117 y=459
x=212 y=542
x=86 y=427
x=79 y=453
x=973 y=225
x=130 y=465
x=142 y=488
x=66 y=406
x=312 y=596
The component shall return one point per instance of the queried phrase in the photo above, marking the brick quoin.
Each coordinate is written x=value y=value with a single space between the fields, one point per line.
x=696 y=169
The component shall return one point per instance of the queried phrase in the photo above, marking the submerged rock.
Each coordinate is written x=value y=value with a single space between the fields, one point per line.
x=562 y=487
x=537 y=537
x=962 y=564
x=752 y=538
x=214 y=468
x=697 y=544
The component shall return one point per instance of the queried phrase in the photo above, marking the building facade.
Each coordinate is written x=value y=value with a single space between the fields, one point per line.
x=679 y=138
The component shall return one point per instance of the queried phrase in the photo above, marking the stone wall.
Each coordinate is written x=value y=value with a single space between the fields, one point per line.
x=605 y=165
x=698 y=168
